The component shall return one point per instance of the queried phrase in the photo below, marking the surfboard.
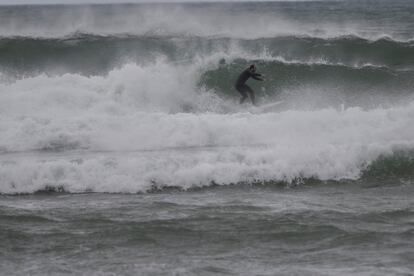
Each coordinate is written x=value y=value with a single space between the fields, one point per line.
x=269 y=106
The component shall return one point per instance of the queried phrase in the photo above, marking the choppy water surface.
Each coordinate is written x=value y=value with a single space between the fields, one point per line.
x=338 y=229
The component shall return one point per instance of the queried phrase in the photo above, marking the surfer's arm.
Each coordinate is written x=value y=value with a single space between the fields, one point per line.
x=257 y=76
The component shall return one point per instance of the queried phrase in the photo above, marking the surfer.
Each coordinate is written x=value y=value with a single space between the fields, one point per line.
x=241 y=85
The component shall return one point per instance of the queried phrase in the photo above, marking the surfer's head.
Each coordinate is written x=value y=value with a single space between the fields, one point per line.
x=252 y=68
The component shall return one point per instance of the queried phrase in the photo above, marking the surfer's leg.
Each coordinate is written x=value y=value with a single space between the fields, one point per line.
x=243 y=98
x=251 y=94
x=242 y=91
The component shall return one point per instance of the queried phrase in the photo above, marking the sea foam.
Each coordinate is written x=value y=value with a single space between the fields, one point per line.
x=151 y=126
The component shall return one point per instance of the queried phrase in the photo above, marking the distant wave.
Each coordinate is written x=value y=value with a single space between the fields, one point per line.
x=268 y=19
x=93 y=54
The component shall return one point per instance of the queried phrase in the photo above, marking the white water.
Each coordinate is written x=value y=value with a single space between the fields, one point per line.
x=180 y=20
x=127 y=132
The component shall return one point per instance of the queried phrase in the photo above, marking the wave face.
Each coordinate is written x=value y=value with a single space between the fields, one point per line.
x=134 y=98
x=346 y=78
x=94 y=54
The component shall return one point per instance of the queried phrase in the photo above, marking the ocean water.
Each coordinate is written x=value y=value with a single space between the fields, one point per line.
x=124 y=151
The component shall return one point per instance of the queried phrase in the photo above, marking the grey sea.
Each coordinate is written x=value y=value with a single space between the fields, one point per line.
x=124 y=149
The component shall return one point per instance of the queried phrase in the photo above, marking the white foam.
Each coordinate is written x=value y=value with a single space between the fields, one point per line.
x=126 y=132
x=177 y=20
x=132 y=153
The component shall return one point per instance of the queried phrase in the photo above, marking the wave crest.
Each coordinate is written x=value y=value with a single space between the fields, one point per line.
x=94 y=55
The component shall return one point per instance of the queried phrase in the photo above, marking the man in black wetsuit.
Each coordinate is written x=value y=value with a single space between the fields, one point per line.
x=241 y=85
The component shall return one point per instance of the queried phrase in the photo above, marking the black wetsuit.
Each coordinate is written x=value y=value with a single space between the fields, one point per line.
x=243 y=88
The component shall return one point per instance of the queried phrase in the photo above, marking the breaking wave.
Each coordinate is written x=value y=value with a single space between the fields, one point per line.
x=143 y=127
